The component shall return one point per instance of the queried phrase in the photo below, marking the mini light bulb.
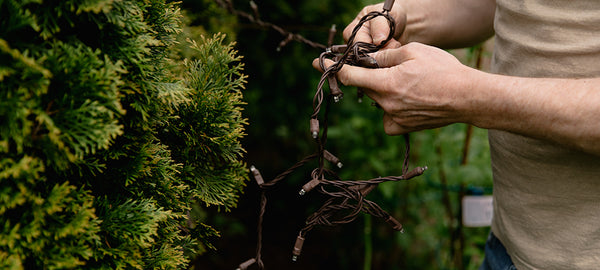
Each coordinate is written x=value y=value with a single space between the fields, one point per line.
x=396 y=225
x=336 y=92
x=309 y=186
x=360 y=93
x=333 y=159
x=257 y=175
x=246 y=264
x=387 y=6
x=314 y=127
x=297 y=248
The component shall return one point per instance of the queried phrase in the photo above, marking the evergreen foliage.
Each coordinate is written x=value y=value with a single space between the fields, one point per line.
x=105 y=143
x=209 y=130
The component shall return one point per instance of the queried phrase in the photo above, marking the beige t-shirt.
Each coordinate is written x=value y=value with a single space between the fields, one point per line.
x=546 y=196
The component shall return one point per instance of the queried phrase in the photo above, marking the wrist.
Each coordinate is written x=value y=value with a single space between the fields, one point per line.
x=477 y=105
x=448 y=24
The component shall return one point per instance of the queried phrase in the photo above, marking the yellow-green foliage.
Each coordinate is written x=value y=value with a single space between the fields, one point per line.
x=104 y=143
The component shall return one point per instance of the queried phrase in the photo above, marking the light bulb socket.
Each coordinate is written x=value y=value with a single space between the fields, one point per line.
x=387 y=6
x=309 y=186
x=332 y=32
x=338 y=49
x=297 y=247
x=246 y=264
x=333 y=159
x=415 y=172
x=314 y=127
x=336 y=92
x=360 y=93
x=396 y=225
x=367 y=61
x=257 y=176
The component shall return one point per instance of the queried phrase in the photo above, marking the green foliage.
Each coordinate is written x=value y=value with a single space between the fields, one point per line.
x=106 y=140
x=55 y=226
x=209 y=129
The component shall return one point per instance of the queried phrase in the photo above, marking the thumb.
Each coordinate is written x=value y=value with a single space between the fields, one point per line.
x=354 y=75
x=392 y=44
x=391 y=57
x=369 y=80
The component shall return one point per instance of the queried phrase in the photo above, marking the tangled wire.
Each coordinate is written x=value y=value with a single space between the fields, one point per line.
x=346 y=198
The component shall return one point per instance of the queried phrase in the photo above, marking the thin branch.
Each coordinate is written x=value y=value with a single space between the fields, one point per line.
x=255 y=19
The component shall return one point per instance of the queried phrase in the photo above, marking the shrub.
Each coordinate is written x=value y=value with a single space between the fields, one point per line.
x=106 y=140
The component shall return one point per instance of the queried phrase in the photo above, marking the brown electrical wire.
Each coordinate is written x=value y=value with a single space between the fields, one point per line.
x=346 y=198
x=356 y=53
x=255 y=19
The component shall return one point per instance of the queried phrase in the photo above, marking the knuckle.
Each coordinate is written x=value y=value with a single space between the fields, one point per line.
x=342 y=76
x=347 y=32
x=384 y=58
x=410 y=46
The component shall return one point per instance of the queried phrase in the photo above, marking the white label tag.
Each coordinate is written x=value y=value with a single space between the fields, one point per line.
x=477 y=211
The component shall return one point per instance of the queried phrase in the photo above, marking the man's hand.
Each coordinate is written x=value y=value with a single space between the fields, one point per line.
x=418 y=87
x=376 y=30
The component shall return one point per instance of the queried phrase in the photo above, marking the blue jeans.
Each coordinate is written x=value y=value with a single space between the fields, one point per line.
x=496 y=257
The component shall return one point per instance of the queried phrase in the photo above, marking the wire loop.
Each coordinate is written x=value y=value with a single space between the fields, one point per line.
x=346 y=198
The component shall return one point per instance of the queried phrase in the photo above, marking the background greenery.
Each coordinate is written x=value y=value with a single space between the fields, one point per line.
x=279 y=93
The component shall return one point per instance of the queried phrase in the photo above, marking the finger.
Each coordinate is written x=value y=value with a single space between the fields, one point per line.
x=379 y=29
x=364 y=78
x=353 y=75
x=316 y=64
x=400 y=23
x=363 y=34
x=392 y=57
x=348 y=30
x=392 y=44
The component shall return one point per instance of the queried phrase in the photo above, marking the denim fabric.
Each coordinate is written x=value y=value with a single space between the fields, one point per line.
x=496 y=257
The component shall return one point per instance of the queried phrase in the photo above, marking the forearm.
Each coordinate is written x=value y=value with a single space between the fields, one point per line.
x=565 y=111
x=422 y=87
x=448 y=24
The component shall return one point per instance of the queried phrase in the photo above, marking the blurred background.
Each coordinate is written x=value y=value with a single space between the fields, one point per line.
x=279 y=93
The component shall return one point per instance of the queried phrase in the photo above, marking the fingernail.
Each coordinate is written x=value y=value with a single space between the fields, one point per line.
x=379 y=38
x=373 y=54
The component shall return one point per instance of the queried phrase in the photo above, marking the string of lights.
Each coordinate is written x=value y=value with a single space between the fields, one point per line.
x=346 y=198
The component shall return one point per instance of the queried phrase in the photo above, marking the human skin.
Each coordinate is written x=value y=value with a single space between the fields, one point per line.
x=421 y=87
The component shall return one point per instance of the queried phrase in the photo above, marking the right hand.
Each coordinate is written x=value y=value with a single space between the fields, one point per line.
x=376 y=30
x=417 y=86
